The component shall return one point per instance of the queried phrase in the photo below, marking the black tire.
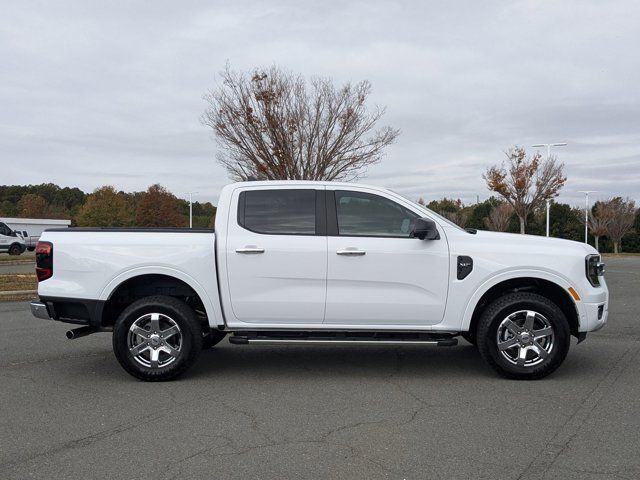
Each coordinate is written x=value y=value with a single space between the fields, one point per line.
x=511 y=306
x=15 y=249
x=31 y=249
x=470 y=337
x=212 y=338
x=172 y=310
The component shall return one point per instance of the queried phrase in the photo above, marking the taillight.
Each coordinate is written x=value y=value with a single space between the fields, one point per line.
x=44 y=260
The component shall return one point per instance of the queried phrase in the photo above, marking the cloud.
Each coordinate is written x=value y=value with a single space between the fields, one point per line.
x=96 y=93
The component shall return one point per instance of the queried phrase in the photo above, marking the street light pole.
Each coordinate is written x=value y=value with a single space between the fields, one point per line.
x=549 y=145
x=548 y=207
x=191 y=208
x=586 y=213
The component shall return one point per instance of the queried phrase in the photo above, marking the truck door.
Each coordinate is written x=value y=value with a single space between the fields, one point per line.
x=276 y=250
x=377 y=274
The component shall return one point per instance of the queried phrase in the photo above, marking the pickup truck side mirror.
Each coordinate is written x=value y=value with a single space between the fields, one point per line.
x=425 y=229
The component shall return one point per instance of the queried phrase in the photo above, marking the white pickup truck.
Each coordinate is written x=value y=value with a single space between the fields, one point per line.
x=309 y=263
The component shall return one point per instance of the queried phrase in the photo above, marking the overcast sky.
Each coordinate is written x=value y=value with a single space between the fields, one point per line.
x=95 y=93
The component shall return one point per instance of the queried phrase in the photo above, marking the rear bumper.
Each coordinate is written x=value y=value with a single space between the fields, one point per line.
x=78 y=311
x=39 y=310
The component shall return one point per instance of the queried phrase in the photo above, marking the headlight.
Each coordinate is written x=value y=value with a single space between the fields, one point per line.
x=594 y=269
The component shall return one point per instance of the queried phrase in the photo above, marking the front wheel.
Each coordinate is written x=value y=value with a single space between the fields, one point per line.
x=470 y=337
x=523 y=336
x=157 y=338
x=15 y=249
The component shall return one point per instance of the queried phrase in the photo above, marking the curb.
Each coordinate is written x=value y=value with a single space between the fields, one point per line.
x=17 y=292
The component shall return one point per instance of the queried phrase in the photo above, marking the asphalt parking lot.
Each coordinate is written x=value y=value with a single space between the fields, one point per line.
x=69 y=411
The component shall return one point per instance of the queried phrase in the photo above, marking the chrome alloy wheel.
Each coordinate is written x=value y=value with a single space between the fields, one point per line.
x=525 y=338
x=154 y=340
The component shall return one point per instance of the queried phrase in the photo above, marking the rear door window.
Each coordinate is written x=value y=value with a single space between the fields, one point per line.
x=278 y=212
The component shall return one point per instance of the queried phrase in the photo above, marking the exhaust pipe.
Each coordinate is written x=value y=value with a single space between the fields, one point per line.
x=81 y=332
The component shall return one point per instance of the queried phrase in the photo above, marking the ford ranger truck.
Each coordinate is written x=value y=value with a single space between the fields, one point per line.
x=321 y=263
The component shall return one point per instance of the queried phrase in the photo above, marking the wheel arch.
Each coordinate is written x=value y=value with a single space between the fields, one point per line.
x=137 y=283
x=15 y=244
x=553 y=287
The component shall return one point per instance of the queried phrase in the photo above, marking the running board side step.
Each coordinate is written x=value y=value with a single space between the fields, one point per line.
x=341 y=339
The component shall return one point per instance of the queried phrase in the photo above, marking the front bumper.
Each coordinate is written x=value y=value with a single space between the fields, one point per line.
x=39 y=310
x=597 y=315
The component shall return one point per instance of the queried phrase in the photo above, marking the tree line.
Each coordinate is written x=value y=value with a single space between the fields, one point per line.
x=614 y=224
x=104 y=207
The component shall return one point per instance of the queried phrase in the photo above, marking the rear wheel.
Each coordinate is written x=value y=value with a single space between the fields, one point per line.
x=15 y=249
x=157 y=338
x=523 y=336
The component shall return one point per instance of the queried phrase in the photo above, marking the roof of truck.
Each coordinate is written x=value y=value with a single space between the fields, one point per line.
x=266 y=183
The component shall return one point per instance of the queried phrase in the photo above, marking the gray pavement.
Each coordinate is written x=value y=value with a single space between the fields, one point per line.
x=69 y=411
x=22 y=268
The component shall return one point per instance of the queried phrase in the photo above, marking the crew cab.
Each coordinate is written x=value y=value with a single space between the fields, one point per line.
x=314 y=263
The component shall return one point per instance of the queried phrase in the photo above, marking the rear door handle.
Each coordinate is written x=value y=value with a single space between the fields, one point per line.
x=353 y=252
x=250 y=249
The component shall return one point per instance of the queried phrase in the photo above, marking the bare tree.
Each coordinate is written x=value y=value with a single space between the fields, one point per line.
x=499 y=217
x=526 y=182
x=275 y=125
x=598 y=220
x=459 y=217
x=622 y=216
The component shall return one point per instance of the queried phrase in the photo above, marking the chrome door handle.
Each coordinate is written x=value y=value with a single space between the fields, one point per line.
x=250 y=249
x=351 y=252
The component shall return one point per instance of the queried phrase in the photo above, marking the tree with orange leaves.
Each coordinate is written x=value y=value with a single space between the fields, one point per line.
x=526 y=183
x=33 y=206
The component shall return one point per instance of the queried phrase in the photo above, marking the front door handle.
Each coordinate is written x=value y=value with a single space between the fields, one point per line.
x=353 y=252
x=250 y=249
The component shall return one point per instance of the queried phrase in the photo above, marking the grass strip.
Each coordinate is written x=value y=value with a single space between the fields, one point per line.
x=18 y=281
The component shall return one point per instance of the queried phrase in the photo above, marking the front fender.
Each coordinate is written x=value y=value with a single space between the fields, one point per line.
x=561 y=281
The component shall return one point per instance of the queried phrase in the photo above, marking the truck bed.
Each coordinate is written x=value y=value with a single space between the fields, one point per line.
x=90 y=263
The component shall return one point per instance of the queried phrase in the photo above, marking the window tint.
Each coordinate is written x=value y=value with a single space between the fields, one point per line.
x=4 y=230
x=366 y=214
x=290 y=212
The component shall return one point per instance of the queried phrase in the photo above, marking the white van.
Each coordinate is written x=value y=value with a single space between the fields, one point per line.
x=30 y=229
x=10 y=241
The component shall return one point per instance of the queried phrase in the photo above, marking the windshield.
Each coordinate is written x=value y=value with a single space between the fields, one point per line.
x=5 y=230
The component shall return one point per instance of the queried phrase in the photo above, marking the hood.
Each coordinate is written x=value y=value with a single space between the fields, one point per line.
x=528 y=243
